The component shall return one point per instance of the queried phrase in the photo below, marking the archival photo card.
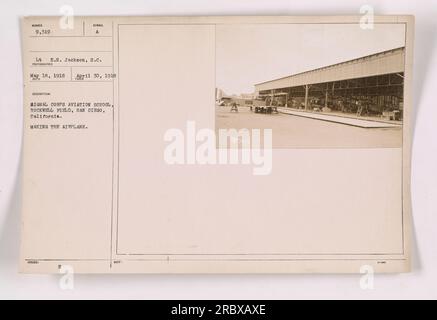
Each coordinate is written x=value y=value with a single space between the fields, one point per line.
x=253 y=144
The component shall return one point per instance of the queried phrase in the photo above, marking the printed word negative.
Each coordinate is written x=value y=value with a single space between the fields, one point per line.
x=234 y=147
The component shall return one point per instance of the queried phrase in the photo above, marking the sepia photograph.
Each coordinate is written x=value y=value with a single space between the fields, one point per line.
x=313 y=85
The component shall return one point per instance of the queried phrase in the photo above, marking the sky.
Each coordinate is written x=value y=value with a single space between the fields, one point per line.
x=249 y=54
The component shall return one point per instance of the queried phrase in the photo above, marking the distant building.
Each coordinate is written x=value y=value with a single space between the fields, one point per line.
x=229 y=100
x=247 y=95
x=218 y=94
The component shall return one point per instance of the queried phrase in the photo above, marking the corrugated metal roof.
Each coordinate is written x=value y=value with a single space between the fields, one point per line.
x=390 y=61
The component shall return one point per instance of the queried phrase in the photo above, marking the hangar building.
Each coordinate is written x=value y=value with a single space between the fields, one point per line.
x=370 y=85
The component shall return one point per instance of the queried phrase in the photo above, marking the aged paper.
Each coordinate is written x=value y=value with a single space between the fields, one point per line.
x=216 y=144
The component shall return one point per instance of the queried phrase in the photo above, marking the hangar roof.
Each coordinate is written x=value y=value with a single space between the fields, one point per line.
x=385 y=62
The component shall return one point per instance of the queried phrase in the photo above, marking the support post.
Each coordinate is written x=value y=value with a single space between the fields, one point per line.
x=307 y=89
x=326 y=96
